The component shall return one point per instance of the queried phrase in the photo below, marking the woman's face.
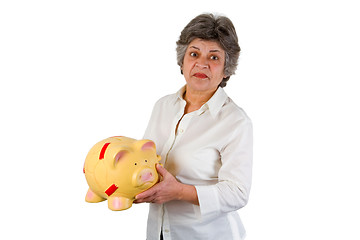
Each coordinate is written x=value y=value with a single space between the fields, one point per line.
x=203 y=65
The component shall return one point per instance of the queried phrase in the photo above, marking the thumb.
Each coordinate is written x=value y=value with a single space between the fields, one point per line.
x=161 y=170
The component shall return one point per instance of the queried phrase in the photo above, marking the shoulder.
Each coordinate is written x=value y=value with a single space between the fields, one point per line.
x=238 y=121
x=165 y=104
x=170 y=99
x=232 y=111
x=166 y=100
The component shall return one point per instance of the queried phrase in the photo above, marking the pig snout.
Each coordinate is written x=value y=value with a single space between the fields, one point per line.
x=144 y=176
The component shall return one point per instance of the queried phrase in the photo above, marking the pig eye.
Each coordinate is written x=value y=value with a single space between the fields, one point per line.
x=135 y=164
x=145 y=160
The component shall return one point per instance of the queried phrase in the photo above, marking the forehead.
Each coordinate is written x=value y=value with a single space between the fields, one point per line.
x=205 y=45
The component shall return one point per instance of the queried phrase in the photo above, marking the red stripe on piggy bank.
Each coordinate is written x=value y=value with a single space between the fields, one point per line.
x=119 y=168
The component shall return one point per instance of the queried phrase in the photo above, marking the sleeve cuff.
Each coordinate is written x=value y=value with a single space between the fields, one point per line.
x=208 y=201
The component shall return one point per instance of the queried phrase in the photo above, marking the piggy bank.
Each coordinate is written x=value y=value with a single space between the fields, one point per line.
x=119 y=168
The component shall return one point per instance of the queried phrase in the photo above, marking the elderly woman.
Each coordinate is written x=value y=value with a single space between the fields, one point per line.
x=204 y=139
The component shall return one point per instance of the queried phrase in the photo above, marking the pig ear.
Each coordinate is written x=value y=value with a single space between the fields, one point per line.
x=150 y=145
x=119 y=156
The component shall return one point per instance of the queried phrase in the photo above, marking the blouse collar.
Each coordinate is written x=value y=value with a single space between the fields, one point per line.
x=214 y=104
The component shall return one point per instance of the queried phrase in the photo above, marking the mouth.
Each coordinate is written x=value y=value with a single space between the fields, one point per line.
x=200 y=75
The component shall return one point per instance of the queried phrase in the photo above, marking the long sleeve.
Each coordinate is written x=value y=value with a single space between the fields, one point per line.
x=232 y=191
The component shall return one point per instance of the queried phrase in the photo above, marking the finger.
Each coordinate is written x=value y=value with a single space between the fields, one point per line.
x=143 y=195
x=148 y=193
x=144 y=200
x=140 y=199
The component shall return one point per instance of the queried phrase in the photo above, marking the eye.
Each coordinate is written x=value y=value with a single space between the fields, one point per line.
x=193 y=54
x=135 y=164
x=214 y=57
x=145 y=160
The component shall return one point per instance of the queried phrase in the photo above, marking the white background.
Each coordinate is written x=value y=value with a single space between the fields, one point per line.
x=75 y=72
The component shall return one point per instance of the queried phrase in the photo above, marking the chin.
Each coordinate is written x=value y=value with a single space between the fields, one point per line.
x=201 y=85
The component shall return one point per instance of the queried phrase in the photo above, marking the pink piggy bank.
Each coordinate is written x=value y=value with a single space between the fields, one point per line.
x=119 y=168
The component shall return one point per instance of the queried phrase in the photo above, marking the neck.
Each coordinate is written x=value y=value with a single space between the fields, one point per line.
x=195 y=99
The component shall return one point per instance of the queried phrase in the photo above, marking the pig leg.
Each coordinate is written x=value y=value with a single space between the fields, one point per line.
x=92 y=197
x=119 y=203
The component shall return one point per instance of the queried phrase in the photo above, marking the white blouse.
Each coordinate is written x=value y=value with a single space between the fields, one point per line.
x=211 y=150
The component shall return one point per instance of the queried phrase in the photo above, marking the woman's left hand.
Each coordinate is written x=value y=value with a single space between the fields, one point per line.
x=166 y=190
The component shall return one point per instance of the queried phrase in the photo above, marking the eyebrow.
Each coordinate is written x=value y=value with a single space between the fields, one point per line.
x=195 y=47
x=214 y=50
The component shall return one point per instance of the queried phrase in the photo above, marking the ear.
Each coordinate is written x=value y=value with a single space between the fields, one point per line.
x=150 y=145
x=120 y=156
x=144 y=145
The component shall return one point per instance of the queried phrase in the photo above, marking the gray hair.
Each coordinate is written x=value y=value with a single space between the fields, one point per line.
x=213 y=28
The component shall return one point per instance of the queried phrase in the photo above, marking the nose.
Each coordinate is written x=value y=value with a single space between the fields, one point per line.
x=142 y=176
x=202 y=66
x=146 y=176
x=202 y=63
